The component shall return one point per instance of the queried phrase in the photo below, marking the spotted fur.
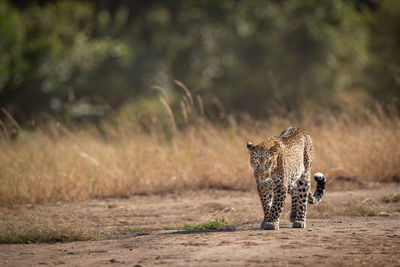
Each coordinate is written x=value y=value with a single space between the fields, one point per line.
x=282 y=165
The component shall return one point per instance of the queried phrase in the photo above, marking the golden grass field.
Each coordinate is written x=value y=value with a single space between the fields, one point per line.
x=58 y=163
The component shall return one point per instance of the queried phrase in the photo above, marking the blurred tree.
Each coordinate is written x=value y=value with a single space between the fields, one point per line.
x=46 y=54
x=291 y=53
x=89 y=57
x=382 y=77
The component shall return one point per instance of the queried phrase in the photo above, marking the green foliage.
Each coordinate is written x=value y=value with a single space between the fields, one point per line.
x=216 y=224
x=292 y=52
x=83 y=59
x=48 y=51
x=382 y=77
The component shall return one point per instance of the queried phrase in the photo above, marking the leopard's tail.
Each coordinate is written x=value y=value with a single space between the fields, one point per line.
x=319 y=191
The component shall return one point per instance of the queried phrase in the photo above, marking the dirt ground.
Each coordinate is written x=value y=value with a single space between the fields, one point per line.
x=333 y=236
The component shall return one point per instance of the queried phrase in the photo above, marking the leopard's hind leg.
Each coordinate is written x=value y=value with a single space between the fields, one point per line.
x=300 y=196
x=293 y=210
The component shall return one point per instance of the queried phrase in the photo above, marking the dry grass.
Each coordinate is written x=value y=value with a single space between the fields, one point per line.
x=28 y=227
x=56 y=163
x=359 y=208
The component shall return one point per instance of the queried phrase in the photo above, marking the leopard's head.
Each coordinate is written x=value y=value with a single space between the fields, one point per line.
x=264 y=157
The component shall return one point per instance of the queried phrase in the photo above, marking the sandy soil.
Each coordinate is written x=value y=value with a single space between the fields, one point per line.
x=327 y=240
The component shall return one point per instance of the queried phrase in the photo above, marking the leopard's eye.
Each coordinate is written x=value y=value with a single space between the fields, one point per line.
x=253 y=161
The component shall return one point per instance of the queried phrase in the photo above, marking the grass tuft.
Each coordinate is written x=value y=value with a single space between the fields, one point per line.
x=35 y=229
x=362 y=211
x=216 y=224
x=364 y=207
x=395 y=198
x=135 y=229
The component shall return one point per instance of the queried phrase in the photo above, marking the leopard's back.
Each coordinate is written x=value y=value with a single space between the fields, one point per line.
x=297 y=150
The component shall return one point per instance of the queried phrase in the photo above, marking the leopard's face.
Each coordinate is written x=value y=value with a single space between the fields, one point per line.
x=262 y=160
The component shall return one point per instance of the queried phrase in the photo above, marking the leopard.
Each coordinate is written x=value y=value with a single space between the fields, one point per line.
x=282 y=166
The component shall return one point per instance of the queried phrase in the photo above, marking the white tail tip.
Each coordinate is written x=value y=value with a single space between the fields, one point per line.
x=319 y=175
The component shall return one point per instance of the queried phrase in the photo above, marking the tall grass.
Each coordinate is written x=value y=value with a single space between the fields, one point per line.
x=56 y=163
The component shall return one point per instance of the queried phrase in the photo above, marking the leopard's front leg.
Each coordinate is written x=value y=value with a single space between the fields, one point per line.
x=278 y=201
x=265 y=193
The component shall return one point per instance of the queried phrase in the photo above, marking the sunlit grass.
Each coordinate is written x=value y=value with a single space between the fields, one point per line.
x=56 y=163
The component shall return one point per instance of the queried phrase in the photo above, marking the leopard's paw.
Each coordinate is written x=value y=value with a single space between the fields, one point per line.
x=299 y=224
x=270 y=225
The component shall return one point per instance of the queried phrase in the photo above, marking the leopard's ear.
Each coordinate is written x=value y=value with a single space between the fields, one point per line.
x=276 y=147
x=250 y=146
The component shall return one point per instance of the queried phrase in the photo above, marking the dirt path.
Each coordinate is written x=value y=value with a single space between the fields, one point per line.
x=337 y=240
